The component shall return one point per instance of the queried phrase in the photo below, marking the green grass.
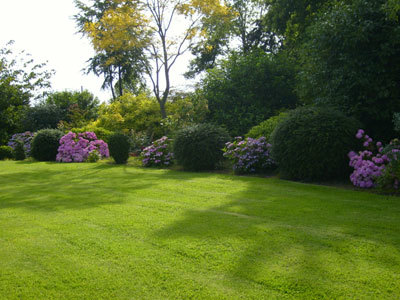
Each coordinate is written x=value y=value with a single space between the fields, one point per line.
x=100 y=231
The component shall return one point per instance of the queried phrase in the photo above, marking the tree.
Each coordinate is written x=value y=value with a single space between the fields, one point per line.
x=247 y=89
x=350 y=59
x=242 y=30
x=87 y=103
x=118 y=34
x=21 y=80
x=147 y=25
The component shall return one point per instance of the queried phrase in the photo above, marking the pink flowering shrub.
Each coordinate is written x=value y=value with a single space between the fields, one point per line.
x=77 y=148
x=157 y=154
x=371 y=164
x=249 y=155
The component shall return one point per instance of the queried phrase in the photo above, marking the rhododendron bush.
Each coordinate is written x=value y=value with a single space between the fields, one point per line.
x=249 y=155
x=25 y=138
x=78 y=148
x=375 y=166
x=157 y=154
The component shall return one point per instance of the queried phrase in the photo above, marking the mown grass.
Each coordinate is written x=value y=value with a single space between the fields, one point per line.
x=100 y=231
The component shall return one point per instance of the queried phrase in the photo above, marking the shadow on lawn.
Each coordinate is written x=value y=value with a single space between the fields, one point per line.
x=295 y=239
x=52 y=189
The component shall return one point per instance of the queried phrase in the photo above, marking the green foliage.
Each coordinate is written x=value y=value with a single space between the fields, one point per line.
x=17 y=87
x=77 y=107
x=247 y=89
x=129 y=112
x=350 y=59
x=266 y=127
x=396 y=121
x=19 y=151
x=184 y=110
x=6 y=152
x=199 y=147
x=45 y=144
x=101 y=133
x=94 y=156
x=119 y=146
x=312 y=144
x=138 y=141
x=41 y=116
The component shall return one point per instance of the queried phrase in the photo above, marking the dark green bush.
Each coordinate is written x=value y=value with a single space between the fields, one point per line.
x=118 y=146
x=45 y=144
x=266 y=127
x=6 y=152
x=19 y=151
x=199 y=147
x=312 y=143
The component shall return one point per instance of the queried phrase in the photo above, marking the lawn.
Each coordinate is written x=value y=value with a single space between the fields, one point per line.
x=100 y=231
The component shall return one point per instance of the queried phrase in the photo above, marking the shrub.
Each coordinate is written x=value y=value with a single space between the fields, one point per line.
x=249 y=155
x=158 y=154
x=19 y=151
x=45 y=144
x=266 y=127
x=312 y=144
x=6 y=152
x=199 y=147
x=94 y=156
x=77 y=148
x=25 y=138
x=376 y=166
x=119 y=148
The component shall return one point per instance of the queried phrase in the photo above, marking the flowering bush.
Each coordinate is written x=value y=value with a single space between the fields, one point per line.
x=157 y=154
x=374 y=163
x=77 y=148
x=25 y=138
x=249 y=155
x=390 y=178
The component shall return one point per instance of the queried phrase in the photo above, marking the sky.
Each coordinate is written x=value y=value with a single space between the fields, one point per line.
x=46 y=30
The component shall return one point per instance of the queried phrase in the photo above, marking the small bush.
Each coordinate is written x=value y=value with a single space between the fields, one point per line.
x=199 y=147
x=119 y=148
x=93 y=156
x=6 y=152
x=312 y=144
x=45 y=144
x=158 y=154
x=266 y=127
x=19 y=151
x=25 y=138
x=249 y=155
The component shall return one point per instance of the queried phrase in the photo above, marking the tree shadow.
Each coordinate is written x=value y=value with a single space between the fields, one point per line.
x=52 y=190
x=295 y=239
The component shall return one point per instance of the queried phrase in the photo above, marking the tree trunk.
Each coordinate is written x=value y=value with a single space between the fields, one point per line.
x=120 y=81
x=162 y=110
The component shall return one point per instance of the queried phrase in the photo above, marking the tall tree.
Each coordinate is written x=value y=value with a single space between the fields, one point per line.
x=350 y=59
x=166 y=29
x=242 y=30
x=21 y=80
x=117 y=30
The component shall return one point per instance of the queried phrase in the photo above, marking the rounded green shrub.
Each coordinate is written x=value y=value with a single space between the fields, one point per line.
x=266 y=127
x=312 y=143
x=199 y=147
x=119 y=146
x=45 y=144
x=6 y=152
x=19 y=151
